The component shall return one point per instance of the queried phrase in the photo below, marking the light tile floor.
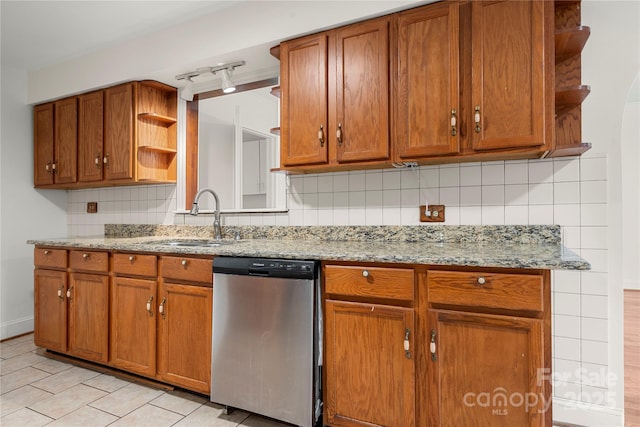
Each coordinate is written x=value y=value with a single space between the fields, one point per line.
x=38 y=391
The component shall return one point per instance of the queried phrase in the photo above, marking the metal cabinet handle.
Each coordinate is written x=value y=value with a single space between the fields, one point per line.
x=60 y=295
x=105 y=160
x=477 y=118
x=339 y=134
x=132 y=258
x=149 y=305
x=97 y=160
x=481 y=280
x=321 y=135
x=432 y=345
x=454 y=122
x=184 y=263
x=85 y=256
x=69 y=293
x=47 y=252
x=365 y=273
x=407 y=353
x=49 y=167
x=53 y=167
x=162 y=306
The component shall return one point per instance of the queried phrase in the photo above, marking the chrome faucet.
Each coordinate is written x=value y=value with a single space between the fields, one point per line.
x=217 y=232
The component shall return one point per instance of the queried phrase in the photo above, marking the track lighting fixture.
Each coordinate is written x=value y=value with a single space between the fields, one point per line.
x=226 y=70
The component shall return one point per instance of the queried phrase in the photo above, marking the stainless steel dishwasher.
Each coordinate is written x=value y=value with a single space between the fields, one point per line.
x=266 y=347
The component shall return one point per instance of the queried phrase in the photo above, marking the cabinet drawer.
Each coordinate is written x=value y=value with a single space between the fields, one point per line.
x=54 y=258
x=187 y=269
x=135 y=265
x=377 y=282
x=89 y=261
x=492 y=290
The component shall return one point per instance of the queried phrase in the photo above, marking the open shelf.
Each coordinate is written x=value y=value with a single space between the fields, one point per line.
x=569 y=98
x=570 y=41
x=157 y=149
x=570 y=150
x=275 y=131
x=275 y=91
x=275 y=52
x=158 y=118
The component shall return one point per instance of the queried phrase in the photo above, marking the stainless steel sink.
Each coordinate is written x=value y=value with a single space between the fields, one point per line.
x=196 y=243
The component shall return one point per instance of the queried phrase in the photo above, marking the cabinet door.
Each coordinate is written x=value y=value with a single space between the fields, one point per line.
x=303 y=78
x=133 y=325
x=427 y=95
x=362 y=91
x=88 y=297
x=511 y=74
x=90 y=136
x=118 y=132
x=43 y=144
x=66 y=141
x=50 y=329
x=488 y=370
x=369 y=376
x=184 y=323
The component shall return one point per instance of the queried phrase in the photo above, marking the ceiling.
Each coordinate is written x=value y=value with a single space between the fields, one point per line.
x=37 y=34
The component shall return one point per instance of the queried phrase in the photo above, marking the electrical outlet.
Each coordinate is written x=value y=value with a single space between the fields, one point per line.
x=92 y=207
x=435 y=213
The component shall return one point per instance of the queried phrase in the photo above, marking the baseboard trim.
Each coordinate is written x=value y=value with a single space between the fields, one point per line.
x=585 y=414
x=14 y=328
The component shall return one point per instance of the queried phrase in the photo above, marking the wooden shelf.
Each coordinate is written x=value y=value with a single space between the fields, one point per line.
x=570 y=150
x=157 y=149
x=275 y=131
x=275 y=91
x=569 y=98
x=569 y=42
x=158 y=118
x=275 y=52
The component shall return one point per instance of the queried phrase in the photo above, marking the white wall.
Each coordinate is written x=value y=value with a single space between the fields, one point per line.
x=26 y=213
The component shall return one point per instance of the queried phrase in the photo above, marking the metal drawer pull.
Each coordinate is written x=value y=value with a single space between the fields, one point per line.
x=60 y=292
x=365 y=273
x=85 y=256
x=321 y=135
x=184 y=263
x=149 y=306
x=454 y=130
x=407 y=353
x=339 y=134
x=161 y=307
x=481 y=280
x=131 y=259
x=476 y=117
x=46 y=252
x=432 y=345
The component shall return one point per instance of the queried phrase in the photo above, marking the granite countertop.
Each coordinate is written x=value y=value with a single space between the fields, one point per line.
x=529 y=247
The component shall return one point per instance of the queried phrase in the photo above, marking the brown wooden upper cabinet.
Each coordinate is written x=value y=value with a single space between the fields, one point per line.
x=469 y=80
x=335 y=96
x=124 y=134
x=55 y=142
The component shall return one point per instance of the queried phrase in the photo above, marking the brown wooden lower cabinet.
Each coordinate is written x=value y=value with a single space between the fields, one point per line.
x=88 y=297
x=484 y=368
x=132 y=323
x=369 y=375
x=50 y=310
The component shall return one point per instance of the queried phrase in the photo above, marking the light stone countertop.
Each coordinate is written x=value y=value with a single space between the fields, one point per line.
x=528 y=247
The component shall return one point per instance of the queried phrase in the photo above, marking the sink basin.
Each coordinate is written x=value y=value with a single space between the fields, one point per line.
x=195 y=243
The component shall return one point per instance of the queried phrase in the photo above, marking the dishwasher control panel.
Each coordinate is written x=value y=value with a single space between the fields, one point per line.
x=268 y=267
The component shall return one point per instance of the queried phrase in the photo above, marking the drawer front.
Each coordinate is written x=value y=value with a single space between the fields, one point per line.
x=53 y=258
x=187 y=269
x=89 y=261
x=377 y=282
x=135 y=264
x=491 y=290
